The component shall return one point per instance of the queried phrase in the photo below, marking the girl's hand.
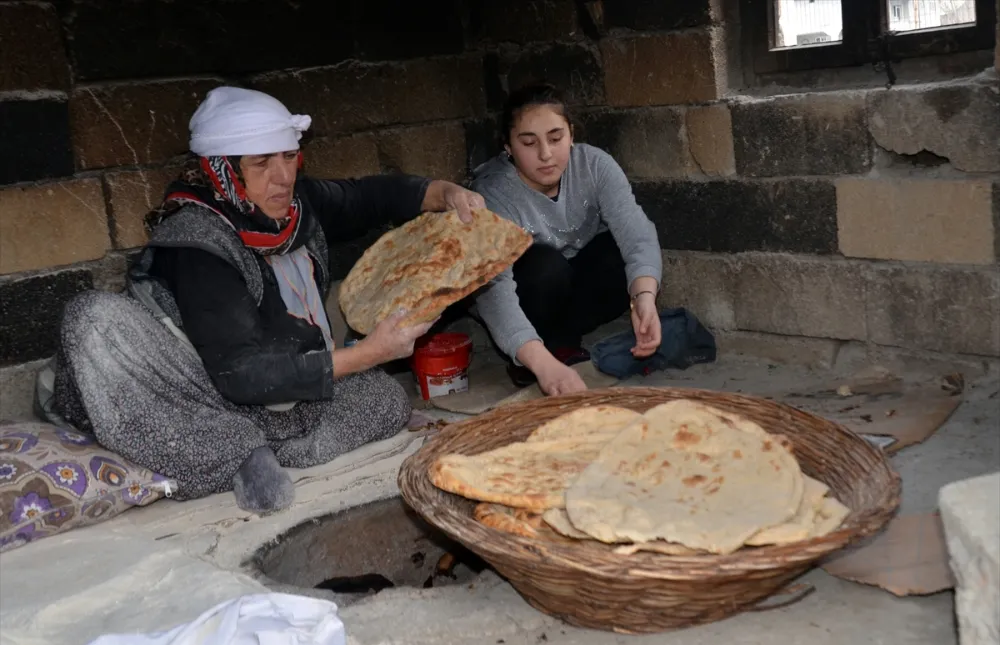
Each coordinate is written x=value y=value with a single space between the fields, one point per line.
x=556 y=378
x=646 y=325
x=391 y=341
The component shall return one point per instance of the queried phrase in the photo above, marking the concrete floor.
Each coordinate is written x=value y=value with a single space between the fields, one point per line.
x=154 y=567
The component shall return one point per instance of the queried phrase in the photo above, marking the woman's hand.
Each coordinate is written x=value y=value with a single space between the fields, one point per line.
x=446 y=196
x=646 y=325
x=391 y=340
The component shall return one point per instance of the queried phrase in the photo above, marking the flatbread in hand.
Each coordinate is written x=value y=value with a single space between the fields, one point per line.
x=427 y=264
x=688 y=474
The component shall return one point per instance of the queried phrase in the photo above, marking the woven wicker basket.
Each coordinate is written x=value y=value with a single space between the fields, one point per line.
x=588 y=585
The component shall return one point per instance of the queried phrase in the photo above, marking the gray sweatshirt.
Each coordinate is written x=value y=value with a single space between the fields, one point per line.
x=594 y=196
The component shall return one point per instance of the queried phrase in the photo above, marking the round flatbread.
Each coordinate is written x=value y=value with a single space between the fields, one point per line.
x=516 y=521
x=559 y=521
x=596 y=423
x=532 y=475
x=801 y=524
x=689 y=474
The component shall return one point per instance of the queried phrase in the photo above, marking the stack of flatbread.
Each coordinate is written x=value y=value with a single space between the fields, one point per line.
x=427 y=264
x=683 y=478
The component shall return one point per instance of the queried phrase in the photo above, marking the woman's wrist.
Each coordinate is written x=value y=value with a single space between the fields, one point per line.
x=356 y=358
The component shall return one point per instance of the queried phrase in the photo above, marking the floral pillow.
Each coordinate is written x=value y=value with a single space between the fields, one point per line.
x=53 y=480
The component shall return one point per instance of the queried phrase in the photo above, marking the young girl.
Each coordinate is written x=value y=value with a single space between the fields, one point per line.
x=595 y=254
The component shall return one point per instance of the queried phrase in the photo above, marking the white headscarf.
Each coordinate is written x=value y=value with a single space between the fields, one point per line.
x=236 y=121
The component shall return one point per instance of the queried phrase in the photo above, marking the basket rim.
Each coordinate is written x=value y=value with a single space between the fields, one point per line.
x=644 y=564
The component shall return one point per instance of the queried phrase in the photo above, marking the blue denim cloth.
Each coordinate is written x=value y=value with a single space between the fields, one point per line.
x=684 y=342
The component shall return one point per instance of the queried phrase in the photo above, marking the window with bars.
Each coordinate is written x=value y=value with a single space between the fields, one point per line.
x=796 y=35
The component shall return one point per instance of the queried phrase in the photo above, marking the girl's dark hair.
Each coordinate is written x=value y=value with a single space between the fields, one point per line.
x=530 y=96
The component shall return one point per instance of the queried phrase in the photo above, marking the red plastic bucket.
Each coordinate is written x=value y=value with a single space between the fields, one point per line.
x=441 y=364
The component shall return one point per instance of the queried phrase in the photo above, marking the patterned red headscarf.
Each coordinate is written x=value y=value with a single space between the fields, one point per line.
x=216 y=184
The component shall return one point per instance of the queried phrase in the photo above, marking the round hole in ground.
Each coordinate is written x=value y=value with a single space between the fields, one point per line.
x=365 y=549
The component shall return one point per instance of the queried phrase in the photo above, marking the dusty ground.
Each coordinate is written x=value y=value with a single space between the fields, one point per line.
x=154 y=567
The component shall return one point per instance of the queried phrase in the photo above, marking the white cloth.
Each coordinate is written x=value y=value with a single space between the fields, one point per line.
x=256 y=619
x=236 y=121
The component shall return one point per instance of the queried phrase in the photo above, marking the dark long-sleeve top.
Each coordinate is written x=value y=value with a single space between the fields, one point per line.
x=262 y=355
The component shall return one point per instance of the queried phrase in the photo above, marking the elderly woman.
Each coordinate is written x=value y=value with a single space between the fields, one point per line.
x=217 y=368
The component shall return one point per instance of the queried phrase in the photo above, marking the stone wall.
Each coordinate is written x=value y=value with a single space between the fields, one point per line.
x=853 y=215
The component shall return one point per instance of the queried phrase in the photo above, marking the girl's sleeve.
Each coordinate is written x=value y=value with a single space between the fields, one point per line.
x=498 y=304
x=633 y=232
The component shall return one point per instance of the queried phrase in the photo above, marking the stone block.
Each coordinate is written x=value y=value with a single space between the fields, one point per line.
x=342 y=157
x=158 y=38
x=730 y=216
x=360 y=96
x=436 y=151
x=132 y=194
x=710 y=139
x=647 y=143
x=482 y=141
x=109 y=272
x=996 y=219
x=819 y=353
x=940 y=309
x=52 y=225
x=971 y=519
x=925 y=220
x=393 y=30
x=120 y=125
x=574 y=68
x=701 y=283
x=855 y=355
x=32 y=56
x=656 y=15
x=17 y=391
x=35 y=140
x=30 y=313
x=662 y=69
x=800 y=296
x=960 y=122
x=523 y=21
x=812 y=134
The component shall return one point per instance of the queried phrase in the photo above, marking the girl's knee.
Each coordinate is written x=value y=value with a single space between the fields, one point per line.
x=541 y=271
